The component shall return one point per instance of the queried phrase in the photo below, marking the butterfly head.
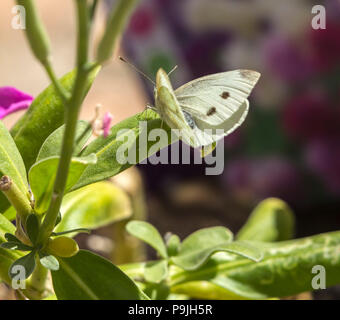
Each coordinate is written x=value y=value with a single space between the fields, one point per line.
x=162 y=79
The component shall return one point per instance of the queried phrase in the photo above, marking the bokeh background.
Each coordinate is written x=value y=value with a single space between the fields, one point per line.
x=289 y=145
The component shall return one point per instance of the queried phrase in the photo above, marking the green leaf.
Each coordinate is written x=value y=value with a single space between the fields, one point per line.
x=106 y=148
x=10 y=213
x=6 y=227
x=43 y=173
x=194 y=259
x=27 y=262
x=15 y=246
x=52 y=145
x=285 y=270
x=87 y=276
x=272 y=220
x=149 y=234
x=205 y=290
x=7 y=257
x=11 y=164
x=45 y=115
x=74 y=231
x=156 y=291
x=50 y=262
x=94 y=206
x=173 y=245
x=156 y=271
x=12 y=238
x=32 y=226
x=199 y=246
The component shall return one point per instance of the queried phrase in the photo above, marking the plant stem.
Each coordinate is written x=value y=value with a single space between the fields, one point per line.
x=93 y=9
x=83 y=32
x=64 y=95
x=72 y=111
x=17 y=199
x=36 y=285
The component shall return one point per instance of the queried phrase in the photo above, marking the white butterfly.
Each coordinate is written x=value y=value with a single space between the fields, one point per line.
x=202 y=106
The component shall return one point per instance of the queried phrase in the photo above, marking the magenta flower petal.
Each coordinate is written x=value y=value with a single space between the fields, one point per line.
x=12 y=100
x=107 y=123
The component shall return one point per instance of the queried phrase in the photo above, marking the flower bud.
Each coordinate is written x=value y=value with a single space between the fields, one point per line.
x=114 y=27
x=64 y=247
x=35 y=31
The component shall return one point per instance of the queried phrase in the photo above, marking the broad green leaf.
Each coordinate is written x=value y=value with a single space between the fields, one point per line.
x=196 y=258
x=7 y=257
x=27 y=262
x=32 y=226
x=94 y=206
x=200 y=245
x=272 y=220
x=156 y=271
x=156 y=291
x=6 y=226
x=87 y=276
x=11 y=237
x=106 y=148
x=285 y=270
x=42 y=176
x=52 y=145
x=10 y=213
x=11 y=164
x=50 y=262
x=173 y=245
x=205 y=290
x=45 y=115
x=10 y=245
x=149 y=234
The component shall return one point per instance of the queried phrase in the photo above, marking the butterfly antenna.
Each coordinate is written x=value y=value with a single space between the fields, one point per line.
x=172 y=70
x=137 y=70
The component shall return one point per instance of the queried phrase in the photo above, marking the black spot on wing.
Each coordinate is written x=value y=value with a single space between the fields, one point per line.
x=225 y=95
x=211 y=111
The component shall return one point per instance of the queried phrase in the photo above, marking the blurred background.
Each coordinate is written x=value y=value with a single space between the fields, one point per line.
x=289 y=145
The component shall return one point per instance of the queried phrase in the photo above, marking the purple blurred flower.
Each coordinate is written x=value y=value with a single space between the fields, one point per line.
x=310 y=116
x=260 y=178
x=107 y=123
x=323 y=157
x=286 y=60
x=12 y=100
x=326 y=46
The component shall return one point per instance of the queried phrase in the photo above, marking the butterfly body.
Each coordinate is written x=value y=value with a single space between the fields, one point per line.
x=166 y=103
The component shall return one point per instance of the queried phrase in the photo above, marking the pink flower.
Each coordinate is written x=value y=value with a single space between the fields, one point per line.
x=107 y=123
x=326 y=46
x=12 y=100
x=287 y=60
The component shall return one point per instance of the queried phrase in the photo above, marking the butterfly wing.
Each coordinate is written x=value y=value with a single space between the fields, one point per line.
x=218 y=100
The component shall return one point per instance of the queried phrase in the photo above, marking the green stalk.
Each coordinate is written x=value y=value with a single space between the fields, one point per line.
x=17 y=199
x=72 y=113
x=64 y=95
x=117 y=21
x=36 y=285
x=35 y=32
